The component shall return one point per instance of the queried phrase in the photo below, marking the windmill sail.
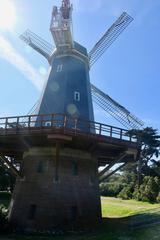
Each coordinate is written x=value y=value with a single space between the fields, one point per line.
x=109 y=37
x=109 y=105
x=37 y=43
x=120 y=113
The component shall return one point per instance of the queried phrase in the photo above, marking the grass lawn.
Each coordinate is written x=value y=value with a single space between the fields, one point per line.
x=114 y=212
x=116 y=208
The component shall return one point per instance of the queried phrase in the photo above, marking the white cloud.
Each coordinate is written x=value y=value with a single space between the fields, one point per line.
x=10 y=54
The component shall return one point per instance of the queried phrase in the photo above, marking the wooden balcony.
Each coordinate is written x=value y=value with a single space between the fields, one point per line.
x=19 y=133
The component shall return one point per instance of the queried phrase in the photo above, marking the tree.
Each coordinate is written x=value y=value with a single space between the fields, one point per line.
x=7 y=180
x=128 y=179
x=148 y=190
x=149 y=141
x=125 y=184
x=113 y=186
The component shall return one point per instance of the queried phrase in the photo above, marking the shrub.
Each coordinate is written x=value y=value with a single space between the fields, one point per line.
x=158 y=198
x=110 y=189
x=5 y=195
x=126 y=193
x=137 y=194
x=4 y=226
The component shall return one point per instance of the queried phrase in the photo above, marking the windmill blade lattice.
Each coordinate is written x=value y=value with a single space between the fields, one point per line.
x=117 y=111
x=37 y=43
x=109 y=37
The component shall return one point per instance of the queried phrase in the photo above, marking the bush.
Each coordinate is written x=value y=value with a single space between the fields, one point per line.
x=110 y=189
x=4 y=226
x=136 y=194
x=5 y=195
x=158 y=198
x=126 y=193
x=7 y=181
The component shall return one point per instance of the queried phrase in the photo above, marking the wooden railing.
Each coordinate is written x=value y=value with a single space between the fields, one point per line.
x=15 y=125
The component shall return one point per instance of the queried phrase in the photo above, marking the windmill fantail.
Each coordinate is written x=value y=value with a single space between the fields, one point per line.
x=61 y=25
x=65 y=9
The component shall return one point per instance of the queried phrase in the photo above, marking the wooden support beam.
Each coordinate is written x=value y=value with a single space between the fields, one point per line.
x=123 y=155
x=111 y=173
x=59 y=137
x=92 y=146
x=10 y=166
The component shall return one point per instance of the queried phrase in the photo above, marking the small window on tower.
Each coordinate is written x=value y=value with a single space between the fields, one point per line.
x=77 y=96
x=42 y=166
x=32 y=212
x=55 y=24
x=59 y=68
x=73 y=213
x=74 y=168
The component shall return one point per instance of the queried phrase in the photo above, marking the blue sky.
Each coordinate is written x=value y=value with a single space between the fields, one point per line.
x=128 y=72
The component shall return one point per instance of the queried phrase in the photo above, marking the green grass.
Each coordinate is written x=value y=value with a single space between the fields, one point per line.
x=114 y=212
x=116 y=208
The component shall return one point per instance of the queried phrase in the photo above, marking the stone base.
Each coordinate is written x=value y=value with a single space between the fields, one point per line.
x=59 y=190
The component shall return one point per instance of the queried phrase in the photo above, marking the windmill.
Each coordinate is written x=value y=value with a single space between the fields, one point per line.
x=64 y=82
x=60 y=148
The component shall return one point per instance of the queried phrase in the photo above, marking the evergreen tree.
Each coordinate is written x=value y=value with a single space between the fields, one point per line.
x=148 y=190
x=150 y=150
x=7 y=180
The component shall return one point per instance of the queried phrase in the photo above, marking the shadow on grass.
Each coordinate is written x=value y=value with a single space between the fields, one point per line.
x=109 y=229
x=137 y=220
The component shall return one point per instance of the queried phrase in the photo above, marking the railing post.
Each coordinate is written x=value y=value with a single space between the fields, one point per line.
x=65 y=121
x=52 y=120
x=17 y=122
x=130 y=138
x=111 y=131
x=17 y=125
x=100 y=129
x=6 y=123
x=29 y=121
x=121 y=134
x=75 y=125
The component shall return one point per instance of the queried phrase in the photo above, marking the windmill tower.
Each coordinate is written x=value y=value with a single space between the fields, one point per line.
x=68 y=86
x=61 y=147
